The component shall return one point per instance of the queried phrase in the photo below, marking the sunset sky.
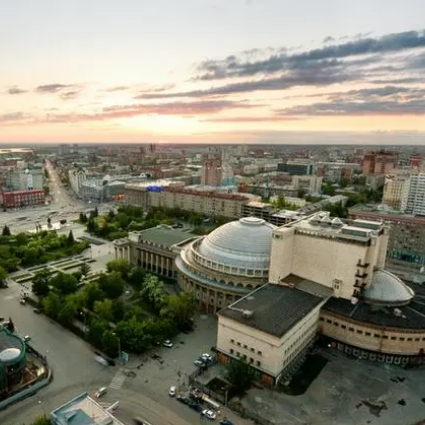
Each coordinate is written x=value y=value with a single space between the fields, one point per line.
x=205 y=71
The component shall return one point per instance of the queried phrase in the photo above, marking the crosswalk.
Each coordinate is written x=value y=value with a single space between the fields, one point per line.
x=117 y=381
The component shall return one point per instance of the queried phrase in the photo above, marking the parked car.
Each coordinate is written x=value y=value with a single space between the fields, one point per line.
x=226 y=422
x=101 y=360
x=167 y=343
x=100 y=392
x=210 y=414
x=37 y=311
x=27 y=338
x=200 y=362
x=172 y=391
x=22 y=302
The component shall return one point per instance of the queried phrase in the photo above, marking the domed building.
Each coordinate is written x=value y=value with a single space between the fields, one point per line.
x=227 y=264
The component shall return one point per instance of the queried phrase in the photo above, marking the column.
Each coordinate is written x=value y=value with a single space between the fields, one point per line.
x=116 y=253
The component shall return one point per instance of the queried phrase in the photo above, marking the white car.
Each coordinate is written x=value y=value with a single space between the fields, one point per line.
x=100 y=392
x=27 y=338
x=206 y=356
x=210 y=414
x=167 y=343
x=200 y=362
x=172 y=391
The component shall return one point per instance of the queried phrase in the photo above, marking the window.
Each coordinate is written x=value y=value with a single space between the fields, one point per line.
x=238 y=354
x=376 y=335
x=393 y=338
x=351 y=329
x=252 y=349
x=368 y=334
x=258 y=363
x=328 y=321
x=231 y=351
x=245 y=346
x=259 y=353
x=238 y=343
x=359 y=331
x=232 y=341
x=401 y=339
x=409 y=339
x=251 y=360
x=417 y=339
x=343 y=327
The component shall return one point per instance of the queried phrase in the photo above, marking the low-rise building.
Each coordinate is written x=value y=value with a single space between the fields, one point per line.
x=22 y=198
x=154 y=249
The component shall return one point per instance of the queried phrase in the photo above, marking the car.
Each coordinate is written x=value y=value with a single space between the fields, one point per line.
x=172 y=391
x=22 y=302
x=27 y=338
x=226 y=422
x=37 y=311
x=194 y=406
x=167 y=343
x=101 y=360
x=210 y=414
x=206 y=357
x=200 y=362
x=100 y=392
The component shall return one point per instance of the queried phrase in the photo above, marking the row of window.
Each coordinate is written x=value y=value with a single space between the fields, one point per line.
x=243 y=356
x=375 y=335
x=246 y=347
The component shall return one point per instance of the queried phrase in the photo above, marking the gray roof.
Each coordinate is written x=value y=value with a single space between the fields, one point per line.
x=243 y=243
x=386 y=288
x=275 y=308
x=163 y=235
x=10 y=340
x=412 y=316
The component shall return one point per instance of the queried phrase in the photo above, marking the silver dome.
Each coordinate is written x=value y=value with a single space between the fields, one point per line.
x=244 y=243
x=387 y=289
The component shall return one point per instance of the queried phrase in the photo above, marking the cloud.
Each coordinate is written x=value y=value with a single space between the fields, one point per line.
x=12 y=117
x=53 y=88
x=235 y=66
x=250 y=119
x=16 y=90
x=118 y=88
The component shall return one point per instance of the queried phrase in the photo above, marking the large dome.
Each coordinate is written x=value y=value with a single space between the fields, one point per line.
x=244 y=243
x=387 y=289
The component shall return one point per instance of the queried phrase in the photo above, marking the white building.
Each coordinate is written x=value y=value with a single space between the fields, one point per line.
x=25 y=178
x=414 y=198
x=77 y=176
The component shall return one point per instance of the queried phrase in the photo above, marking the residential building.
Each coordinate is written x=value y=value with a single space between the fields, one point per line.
x=297 y=168
x=396 y=190
x=309 y=184
x=212 y=170
x=379 y=162
x=154 y=249
x=22 y=198
x=25 y=178
x=414 y=203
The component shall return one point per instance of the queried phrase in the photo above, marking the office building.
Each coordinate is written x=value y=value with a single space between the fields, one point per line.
x=77 y=176
x=212 y=168
x=296 y=168
x=379 y=162
x=396 y=190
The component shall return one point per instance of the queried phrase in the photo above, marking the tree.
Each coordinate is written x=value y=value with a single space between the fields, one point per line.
x=65 y=284
x=240 y=375
x=112 y=285
x=52 y=305
x=153 y=291
x=68 y=312
x=180 y=309
x=70 y=240
x=85 y=269
x=96 y=331
x=91 y=225
x=41 y=421
x=92 y=293
x=136 y=277
x=3 y=274
x=6 y=230
x=110 y=343
x=41 y=282
x=83 y=218
x=104 y=309
x=121 y=266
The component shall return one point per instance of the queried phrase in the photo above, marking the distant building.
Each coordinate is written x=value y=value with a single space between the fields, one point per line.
x=212 y=168
x=379 y=162
x=297 y=168
x=414 y=200
x=26 y=178
x=22 y=198
x=396 y=190
x=82 y=410
x=77 y=176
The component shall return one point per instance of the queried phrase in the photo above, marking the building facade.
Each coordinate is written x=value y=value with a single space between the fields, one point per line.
x=77 y=176
x=379 y=162
x=22 y=198
x=153 y=249
x=212 y=168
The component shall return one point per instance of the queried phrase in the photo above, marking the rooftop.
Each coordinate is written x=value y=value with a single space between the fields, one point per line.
x=273 y=309
x=411 y=316
x=10 y=340
x=83 y=410
x=161 y=235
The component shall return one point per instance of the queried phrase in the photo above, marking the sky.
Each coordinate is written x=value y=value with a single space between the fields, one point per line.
x=212 y=71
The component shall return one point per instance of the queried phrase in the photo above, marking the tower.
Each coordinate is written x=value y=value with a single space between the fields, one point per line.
x=212 y=168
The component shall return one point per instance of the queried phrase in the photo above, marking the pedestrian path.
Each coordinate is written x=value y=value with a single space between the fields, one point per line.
x=117 y=380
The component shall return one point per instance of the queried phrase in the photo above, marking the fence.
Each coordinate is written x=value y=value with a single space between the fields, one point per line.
x=239 y=408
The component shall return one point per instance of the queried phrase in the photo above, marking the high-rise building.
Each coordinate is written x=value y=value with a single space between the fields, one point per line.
x=212 y=168
x=379 y=162
x=414 y=199
x=396 y=190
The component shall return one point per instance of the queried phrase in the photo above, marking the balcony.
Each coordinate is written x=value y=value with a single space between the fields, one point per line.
x=364 y=265
x=362 y=275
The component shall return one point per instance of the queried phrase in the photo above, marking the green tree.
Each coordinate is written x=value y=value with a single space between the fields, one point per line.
x=153 y=291
x=110 y=343
x=68 y=312
x=92 y=293
x=112 y=285
x=41 y=421
x=91 y=225
x=328 y=189
x=65 y=284
x=104 y=309
x=71 y=239
x=52 y=305
x=22 y=239
x=96 y=330
x=180 y=309
x=3 y=275
x=83 y=218
x=85 y=269
x=240 y=376
x=6 y=230
x=121 y=266
x=41 y=282
x=136 y=277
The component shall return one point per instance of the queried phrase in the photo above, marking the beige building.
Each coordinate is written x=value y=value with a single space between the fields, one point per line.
x=211 y=203
x=327 y=279
x=396 y=190
x=311 y=184
x=153 y=249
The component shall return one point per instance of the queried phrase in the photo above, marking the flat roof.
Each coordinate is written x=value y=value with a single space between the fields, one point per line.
x=162 y=235
x=83 y=410
x=412 y=315
x=275 y=308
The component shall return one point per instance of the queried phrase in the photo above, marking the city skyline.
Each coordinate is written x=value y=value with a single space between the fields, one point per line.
x=251 y=71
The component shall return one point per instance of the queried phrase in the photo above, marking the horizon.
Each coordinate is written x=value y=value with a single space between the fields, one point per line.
x=255 y=72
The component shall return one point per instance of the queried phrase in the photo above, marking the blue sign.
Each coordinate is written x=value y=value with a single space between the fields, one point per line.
x=154 y=188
